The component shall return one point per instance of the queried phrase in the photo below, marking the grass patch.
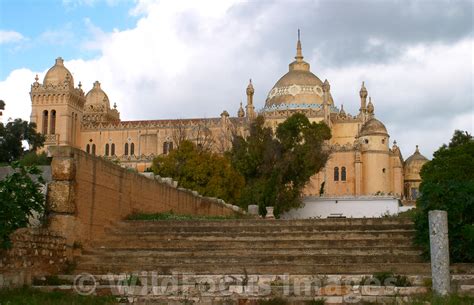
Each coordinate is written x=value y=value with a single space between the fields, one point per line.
x=407 y=214
x=453 y=299
x=29 y=296
x=173 y=216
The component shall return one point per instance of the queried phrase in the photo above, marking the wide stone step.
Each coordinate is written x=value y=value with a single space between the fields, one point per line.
x=257 y=236
x=212 y=252
x=262 y=268
x=121 y=243
x=284 y=228
x=266 y=222
x=223 y=260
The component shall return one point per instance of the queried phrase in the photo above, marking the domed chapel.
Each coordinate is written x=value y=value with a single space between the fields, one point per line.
x=361 y=163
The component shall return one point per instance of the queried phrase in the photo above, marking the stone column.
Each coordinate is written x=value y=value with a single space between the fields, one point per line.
x=60 y=198
x=439 y=249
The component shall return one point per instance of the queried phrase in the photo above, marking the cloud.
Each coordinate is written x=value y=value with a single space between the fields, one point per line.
x=10 y=37
x=194 y=59
x=14 y=90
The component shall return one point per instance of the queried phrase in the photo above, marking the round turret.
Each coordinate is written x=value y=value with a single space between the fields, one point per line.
x=413 y=165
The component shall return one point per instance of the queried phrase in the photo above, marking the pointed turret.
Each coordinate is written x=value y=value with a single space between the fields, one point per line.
x=241 y=112
x=250 y=108
x=370 y=108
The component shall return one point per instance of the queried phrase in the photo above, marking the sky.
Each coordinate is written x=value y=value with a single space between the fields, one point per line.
x=193 y=59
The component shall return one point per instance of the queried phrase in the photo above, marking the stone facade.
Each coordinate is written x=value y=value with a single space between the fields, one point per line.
x=361 y=162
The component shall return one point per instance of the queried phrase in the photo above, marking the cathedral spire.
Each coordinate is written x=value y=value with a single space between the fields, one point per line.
x=299 y=52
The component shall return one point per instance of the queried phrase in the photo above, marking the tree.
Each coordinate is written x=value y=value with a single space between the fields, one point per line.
x=277 y=166
x=11 y=136
x=20 y=197
x=448 y=184
x=208 y=173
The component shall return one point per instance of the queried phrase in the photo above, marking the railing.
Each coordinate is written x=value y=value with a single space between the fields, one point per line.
x=51 y=139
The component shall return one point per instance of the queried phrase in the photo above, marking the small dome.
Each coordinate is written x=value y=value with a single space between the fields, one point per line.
x=373 y=127
x=413 y=165
x=417 y=156
x=97 y=96
x=58 y=74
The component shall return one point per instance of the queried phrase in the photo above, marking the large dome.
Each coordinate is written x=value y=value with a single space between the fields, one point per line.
x=58 y=74
x=299 y=88
x=97 y=96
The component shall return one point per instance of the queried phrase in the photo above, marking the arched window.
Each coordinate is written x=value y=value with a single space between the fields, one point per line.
x=93 y=149
x=52 y=123
x=336 y=174
x=112 y=149
x=343 y=173
x=45 y=122
x=88 y=149
x=132 y=149
x=126 y=149
x=107 y=149
x=167 y=147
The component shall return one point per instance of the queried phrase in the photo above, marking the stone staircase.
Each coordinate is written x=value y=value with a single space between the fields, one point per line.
x=244 y=261
x=319 y=246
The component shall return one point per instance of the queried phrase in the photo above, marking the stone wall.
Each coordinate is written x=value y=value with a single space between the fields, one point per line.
x=88 y=194
x=34 y=252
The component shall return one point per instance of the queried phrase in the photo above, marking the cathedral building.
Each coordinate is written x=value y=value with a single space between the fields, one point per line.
x=361 y=163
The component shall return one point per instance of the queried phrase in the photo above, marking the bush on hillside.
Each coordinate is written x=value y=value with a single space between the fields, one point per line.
x=448 y=184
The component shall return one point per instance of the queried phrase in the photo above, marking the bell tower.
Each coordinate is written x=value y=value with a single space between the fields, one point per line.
x=57 y=107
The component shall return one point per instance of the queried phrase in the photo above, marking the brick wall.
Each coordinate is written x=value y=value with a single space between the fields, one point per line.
x=33 y=252
x=88 y=194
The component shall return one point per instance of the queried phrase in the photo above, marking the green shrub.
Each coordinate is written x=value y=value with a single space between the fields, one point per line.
x=32 y=158
x=448 y=184
x=29 y=296
x=386 y=279
x=20 y=197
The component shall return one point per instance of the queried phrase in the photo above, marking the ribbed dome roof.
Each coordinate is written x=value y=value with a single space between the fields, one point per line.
x=373 y=127
x=417 y=156
x=58 y=74
x=97 y=96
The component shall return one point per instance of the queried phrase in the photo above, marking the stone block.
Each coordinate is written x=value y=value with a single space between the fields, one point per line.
x=334 y=290
x=333 y=300
x=62 y=151
x=253 y=209
x=60 y=197
x=466 y=289
x=411 y=290
x=63 y=168
x=63 y=225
